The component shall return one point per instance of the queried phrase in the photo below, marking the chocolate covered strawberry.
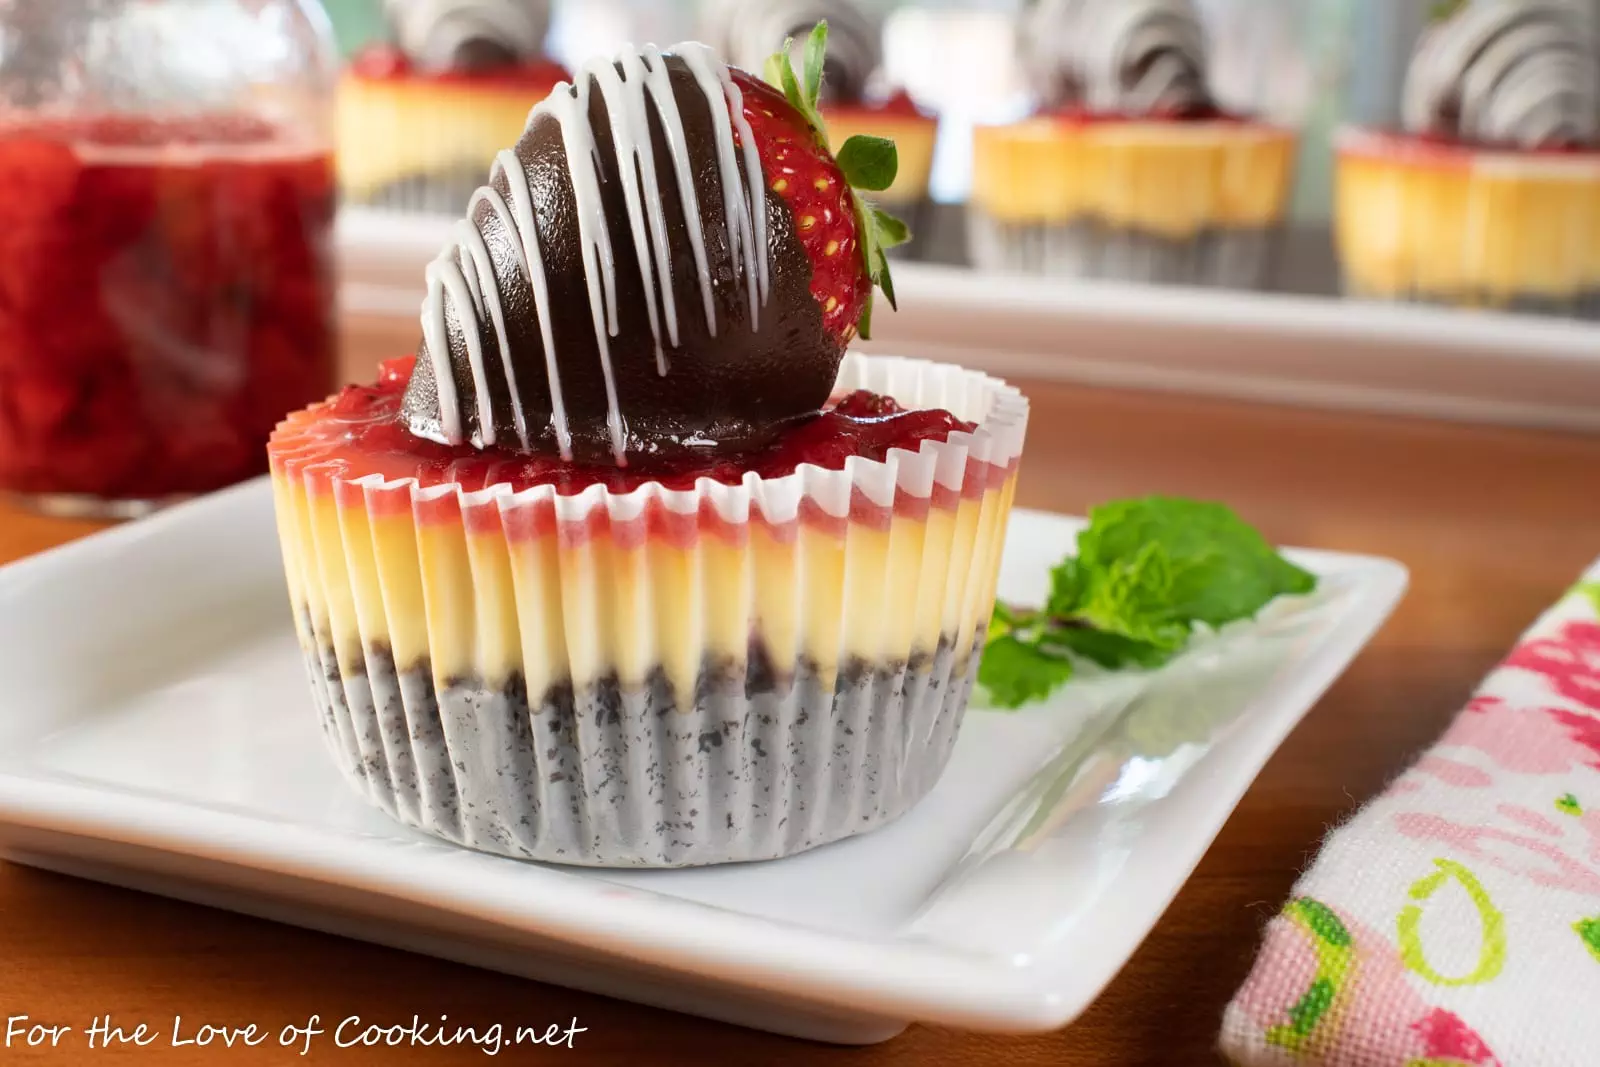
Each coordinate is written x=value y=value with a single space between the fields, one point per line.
x=669 y=260
x=844 y=236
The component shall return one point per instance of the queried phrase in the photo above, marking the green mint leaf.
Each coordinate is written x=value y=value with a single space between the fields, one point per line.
x=1214 y=568
x=868 y=162
x=1012 y=617
x=1444 y=9
x=1068 y=583
x=1133 y=597
x=864 y=324
x=892 y=232
x=1014 y=672
x=1111 y=651
x=1008 y=618
x=816 y=48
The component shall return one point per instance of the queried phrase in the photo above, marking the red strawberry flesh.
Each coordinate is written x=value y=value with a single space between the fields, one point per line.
x=801 y=170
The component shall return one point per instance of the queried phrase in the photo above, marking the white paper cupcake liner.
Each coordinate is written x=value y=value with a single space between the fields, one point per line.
x=759 y=668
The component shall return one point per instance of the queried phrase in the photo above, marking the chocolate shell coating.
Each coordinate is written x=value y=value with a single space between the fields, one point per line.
x=725 y=390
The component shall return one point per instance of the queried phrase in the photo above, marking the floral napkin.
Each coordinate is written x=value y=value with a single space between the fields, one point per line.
x=1456 y=919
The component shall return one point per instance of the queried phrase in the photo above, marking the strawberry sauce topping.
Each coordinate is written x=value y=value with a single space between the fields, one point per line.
x=1077 y=115
x=1446 y=151
x=362 y=426
x=385 y=62
x=898 y=104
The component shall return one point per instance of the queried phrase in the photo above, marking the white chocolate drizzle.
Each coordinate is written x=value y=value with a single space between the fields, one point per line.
x=432 y=31
x=1512 y=72
x=748 y=31
x=1132 y=57
x=463 y=277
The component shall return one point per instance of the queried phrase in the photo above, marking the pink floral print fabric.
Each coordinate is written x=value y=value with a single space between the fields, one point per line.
x=1455 y=922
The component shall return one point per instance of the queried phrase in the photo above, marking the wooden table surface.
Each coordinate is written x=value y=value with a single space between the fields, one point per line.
x=1493 y=523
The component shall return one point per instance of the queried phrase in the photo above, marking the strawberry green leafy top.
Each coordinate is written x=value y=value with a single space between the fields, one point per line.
x=869 y=163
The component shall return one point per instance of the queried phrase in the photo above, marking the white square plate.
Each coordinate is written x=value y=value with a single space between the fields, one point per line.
x=157 y=733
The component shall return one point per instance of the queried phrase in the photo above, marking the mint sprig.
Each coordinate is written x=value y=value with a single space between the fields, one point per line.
x=1146 y=573
x=1020 y=672
x=868 y=163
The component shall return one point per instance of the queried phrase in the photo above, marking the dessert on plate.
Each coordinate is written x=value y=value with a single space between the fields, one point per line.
x=855 y=99
x=633 y=564
x=1130 y=170
x=421 y=116
x=1490 y=194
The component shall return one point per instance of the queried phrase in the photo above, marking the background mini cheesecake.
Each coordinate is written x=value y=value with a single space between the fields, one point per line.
x=1130 y=171
x=420 y=117
x=1490 y=195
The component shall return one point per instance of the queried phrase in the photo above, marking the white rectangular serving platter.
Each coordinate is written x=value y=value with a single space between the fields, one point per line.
x=1470 y=366
x=156 y=732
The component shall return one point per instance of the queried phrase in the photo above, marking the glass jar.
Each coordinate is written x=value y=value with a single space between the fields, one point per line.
x=166 y=214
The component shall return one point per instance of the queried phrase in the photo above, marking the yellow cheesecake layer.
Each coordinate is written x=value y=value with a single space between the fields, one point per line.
x=473 y=600
x=913 y=136
x=1173 y=179
x=391 y=129
x=1468 y=227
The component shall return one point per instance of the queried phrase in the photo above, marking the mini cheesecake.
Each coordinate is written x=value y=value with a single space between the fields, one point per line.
x=420 y=119
x=648 y=669
x=1196 y=199
x=633 y=565
x=1130 y=170
x=415 y=140
x=1490 y=196
x=1436 y=222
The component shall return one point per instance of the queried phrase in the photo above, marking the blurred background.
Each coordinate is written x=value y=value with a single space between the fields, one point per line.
x=1231 y=200
x=1312 y=65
